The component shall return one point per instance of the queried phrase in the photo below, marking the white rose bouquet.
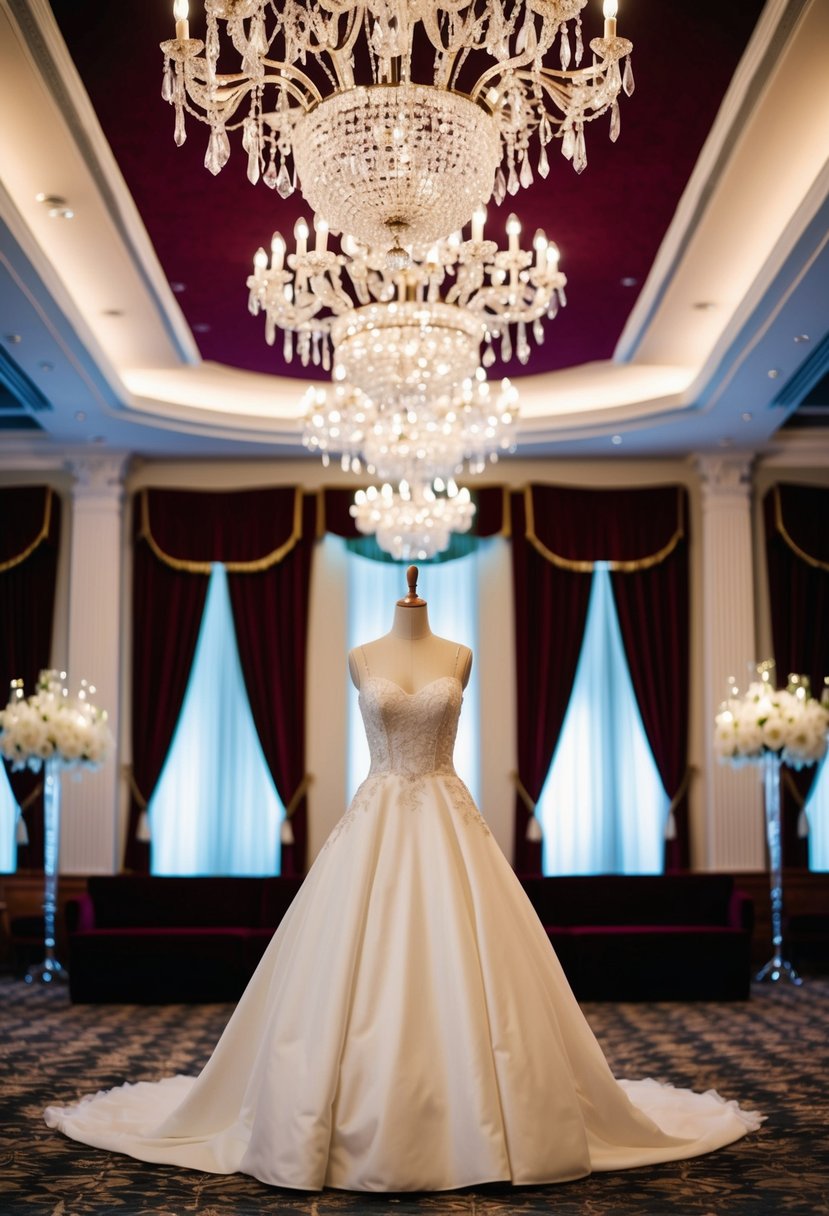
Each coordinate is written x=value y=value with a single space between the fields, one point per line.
x=788 y=721
x=52 y=725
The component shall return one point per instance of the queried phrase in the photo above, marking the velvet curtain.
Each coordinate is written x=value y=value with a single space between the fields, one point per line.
x=29 y=544
x=797 y=557
x=264 y=538
x=558 y=533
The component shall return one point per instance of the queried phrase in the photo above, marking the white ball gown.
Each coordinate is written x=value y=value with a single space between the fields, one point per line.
x=409 y=1027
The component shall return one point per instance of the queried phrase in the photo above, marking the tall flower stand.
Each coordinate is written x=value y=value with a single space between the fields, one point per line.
x=50 y=969
x=777 y=968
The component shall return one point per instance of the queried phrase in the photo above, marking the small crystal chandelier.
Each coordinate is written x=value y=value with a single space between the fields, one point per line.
x=397 y=117
x=391 y=326
x=415 y=522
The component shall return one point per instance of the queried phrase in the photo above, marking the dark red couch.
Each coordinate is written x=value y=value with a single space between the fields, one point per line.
x=677 y=937
x=140 y=939
x=136 y=938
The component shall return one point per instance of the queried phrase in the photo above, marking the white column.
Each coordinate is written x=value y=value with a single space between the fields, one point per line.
x=90 y=806
x=733 y=802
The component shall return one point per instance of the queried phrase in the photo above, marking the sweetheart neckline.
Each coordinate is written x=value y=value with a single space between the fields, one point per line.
x=417 y=691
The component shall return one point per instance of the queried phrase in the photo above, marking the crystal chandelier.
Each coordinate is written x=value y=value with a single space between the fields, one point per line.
x=414 y=440
x=398 y=117
x=396 y=328
x=415 y=522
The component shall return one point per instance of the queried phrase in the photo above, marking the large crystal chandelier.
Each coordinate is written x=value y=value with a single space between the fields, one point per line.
x=395 y=328
x=398 y=117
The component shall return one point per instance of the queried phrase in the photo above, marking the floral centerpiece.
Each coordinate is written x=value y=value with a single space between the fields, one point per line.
x=771 y=727
x=52 y=725
x=787 y=721
x=52 y=730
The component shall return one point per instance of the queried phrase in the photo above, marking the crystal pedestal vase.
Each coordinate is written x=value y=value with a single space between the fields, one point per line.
x=777 y=968
x=50 y=969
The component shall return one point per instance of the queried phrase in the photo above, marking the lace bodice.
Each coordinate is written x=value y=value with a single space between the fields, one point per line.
x=411 y=733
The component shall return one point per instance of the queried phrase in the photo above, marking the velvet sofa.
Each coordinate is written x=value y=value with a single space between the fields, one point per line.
x=141 y=939
x=676 y=937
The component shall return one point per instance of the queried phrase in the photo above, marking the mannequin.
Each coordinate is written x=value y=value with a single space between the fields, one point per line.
x=410 y=655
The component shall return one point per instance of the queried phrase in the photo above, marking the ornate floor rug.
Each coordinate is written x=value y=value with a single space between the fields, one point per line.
x=772 y=1053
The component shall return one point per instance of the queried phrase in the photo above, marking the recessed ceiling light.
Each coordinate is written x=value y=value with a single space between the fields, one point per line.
x=56 y=206
x=80 y=416
x=13 y=339
x=617 y=439
x=801 y=338
x=628 y=281
x=773 y=373
x=746 y=416
x=46 y=366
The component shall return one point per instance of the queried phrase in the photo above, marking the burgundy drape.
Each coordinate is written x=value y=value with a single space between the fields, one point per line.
x=27 y=606
x=584 y=526
x=797 y=557
x=654 y=617
x=270 y=614
x=245 y=527
x=550 y=611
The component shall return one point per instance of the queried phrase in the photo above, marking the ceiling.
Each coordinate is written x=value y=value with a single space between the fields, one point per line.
x=695 y=247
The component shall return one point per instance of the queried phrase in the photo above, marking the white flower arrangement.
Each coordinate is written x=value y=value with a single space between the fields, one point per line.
x=52 y=725
x=788 y=721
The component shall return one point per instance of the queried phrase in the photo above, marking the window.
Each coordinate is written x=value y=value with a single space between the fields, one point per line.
x=603 y=806
x=9 y=814
x=451 y=590
x=817 y=809
x=215 y=810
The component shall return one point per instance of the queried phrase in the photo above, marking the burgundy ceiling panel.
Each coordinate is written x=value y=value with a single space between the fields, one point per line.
x=608 y=222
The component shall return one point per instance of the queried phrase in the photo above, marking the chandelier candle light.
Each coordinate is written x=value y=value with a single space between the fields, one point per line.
x=52 y=731
x=771 y=727
x=399 y=117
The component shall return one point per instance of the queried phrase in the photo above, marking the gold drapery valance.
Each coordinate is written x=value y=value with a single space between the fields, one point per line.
x=42 y=535
x=254 y=566
x=817 y=562
x=580 y=566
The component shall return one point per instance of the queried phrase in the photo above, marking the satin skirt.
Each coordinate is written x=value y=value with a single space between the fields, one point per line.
x=409 y=1028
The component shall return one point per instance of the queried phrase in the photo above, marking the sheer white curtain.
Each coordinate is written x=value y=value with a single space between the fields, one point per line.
x=603 y=807
x=9 y=811
x=215 y=810
x=451 y=591
x=817 y=808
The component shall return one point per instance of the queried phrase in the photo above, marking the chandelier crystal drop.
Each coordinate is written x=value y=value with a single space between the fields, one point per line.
x=398 y=117
x=416 y=521
x=422 y=328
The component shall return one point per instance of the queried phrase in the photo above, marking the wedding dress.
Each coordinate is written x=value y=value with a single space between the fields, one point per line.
x=409 y=1026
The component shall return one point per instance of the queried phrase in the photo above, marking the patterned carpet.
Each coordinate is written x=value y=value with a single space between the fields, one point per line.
x=771 y=1053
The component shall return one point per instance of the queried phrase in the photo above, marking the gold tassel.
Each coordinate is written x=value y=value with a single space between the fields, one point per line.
x=803 y=825
x=670 y=827
x=142 y=831
x=535 y=832
x=286 y=832
x=21 y=832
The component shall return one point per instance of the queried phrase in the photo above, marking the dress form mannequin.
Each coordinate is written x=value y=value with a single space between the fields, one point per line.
x=410 y=655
